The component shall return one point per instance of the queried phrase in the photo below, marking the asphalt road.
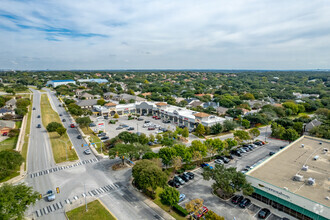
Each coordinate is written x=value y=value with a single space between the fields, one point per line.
x=88 y=177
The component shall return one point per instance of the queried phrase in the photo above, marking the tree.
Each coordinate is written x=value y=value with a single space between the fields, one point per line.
x=245 y=123
x=228 y=180
x=167 y=154
x=51 y=127
x=101 y=102
x=290 y=134
x=167 y=141
x=291 y=105
x=21 y=111
x=234 y=112
x=124 y=151
x=194 y=206
x=170 y=196
x=200 y=130
x=116 y=115
x=182 y=151
x=15 y=199
x=151 y=138
x=61 y=130
x=147 y=174
x=197 y=156
x=83 y=121
x=277 y=130
x=298 y=126
x=254 y=132
x=241 y=135
x=247 y=96
x=10 y=90
x=210 y=215
x=229 y=125
x=197 y=145
x=10 y=160
x=216 y=129
x=150 y=155
x=176 y=162
x=185 y=132
x=231 y=142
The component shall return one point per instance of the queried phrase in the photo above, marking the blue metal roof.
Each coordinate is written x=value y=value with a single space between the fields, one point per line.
x=66 y=80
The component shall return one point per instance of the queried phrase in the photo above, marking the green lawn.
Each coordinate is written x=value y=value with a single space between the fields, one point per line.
x=18 y=124
x=95 y=211
x=9 y=143
x=166 y=207
x=59 y=144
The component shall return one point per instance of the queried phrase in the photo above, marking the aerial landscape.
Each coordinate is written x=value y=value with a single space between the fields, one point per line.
x=215 y=110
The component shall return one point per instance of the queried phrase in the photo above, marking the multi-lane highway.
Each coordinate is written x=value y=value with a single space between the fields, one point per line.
x=89 y=176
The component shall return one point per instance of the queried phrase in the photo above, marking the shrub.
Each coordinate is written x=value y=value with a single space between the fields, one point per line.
x=189 y=166
x=150 y=194
x=13 y=133
x=51 y=127
x=181 y=211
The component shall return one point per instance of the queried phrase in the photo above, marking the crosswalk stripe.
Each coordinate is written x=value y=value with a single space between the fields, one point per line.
x=102 y=191
x=45 y=211
x=49 y=208
x=91 y=160
x=84 y=195
x=59 y=204
x=90 y=193
x=39 y=214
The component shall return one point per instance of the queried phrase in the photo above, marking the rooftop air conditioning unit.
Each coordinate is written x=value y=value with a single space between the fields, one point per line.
x=298 y=177
x=304 y=168
x=316 y=157
x=310 y=181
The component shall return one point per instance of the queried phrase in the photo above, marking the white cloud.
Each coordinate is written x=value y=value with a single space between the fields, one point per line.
x=254 y=34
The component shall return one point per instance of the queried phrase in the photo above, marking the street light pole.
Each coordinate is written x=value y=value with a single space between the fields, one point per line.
x=85 y=196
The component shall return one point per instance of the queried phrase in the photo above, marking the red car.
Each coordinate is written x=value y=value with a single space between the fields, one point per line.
x=157 y=118
x=72 y=126
x=154 y=116
x=151 y=128
x=4 y=133
x=202 y=212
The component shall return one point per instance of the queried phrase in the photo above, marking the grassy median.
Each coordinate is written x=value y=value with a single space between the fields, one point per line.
x=27 y=132
x=95 y=211
x=59 y=144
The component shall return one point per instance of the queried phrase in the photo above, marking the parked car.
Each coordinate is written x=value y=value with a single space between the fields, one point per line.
x=157 y=118
x=242 y=150
x=271 y=153
x=182 y=197
x=263 y=213
x=146 y=122
x=179 y=180
x=72 y=126
x=106 y=117
x=140 y=119
x=150 y=143
x=245 y=203
x=151 y=128
x=224 y=159
x=102 y=134
x=50 y=196
x=184 y=177
x=63 y=120
x=203 y=165
x=167 y=121
x=87 y=151
x=125 y=126
x=38 y=116
x=229 y=156
x=218 y=161
x=190 y=174
x=130 y=129
x=235 y=152
x=173 y=184
x=92 y=125
x=244 y=170
x=39 y=126
x=258 y=143
x=201 y=213
x=79 y=137
x=182 y=126
x=118 y=128
x=4 y=133
x=237 y=199
x=104 y=138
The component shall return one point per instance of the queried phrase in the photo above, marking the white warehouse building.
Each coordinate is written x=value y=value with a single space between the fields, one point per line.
x=55 y=83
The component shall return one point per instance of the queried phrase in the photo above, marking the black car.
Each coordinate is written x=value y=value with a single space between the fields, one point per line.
x=60 y=114
x=34 y=108
x=39 y=126
x=271 y=153
x=173 y=184
x=79 y=137
x=190 y=174
x=105 y=138
x=63 y=120
x=230 y=156
x=237 y=199
x=146 y=122
x=150 y=143
x=181 y=126
x=224 y=159
x=140 y=119
x=38 y=116
x=102 y=134
x=235 y=152
x=245 y=203
x=258 y=143
x=59 y=105
x=92 y=125
x=130 y=129
x=263 y=213
x=184 y=177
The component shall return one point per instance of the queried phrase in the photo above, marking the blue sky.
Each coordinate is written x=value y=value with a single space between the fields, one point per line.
x=164 y=34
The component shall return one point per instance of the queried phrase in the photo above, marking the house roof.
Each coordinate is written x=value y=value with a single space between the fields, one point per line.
x=11 y=102
x=161 y=103
x=313 y=124
x=7 y=124
x=221 y=109
x=196 y=103
x=5 y=110
x=110 y=104
x=66 y=80
x=87 y=95
x=201 y=115
x=87 y=102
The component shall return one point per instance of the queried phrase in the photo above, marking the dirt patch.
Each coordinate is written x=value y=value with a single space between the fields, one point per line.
x=120 y=166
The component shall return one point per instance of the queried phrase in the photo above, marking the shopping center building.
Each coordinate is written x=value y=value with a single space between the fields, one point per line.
x=172 y=114
x=296 y=180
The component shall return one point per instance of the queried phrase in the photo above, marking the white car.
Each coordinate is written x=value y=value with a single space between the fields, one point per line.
x=218 y=161
x=87 y=151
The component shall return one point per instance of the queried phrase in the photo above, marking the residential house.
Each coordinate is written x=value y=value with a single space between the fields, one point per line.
x=6 y=126
x=146 y=94
x=196 y=104
x=87 y=103
x=86 y=96
x=109 y=95
x=221 y=110
x=6 y=111
x=312 y=124
x=11 y=104
x=210 y=104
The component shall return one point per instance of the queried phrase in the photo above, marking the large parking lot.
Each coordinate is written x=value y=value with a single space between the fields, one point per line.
x=199 y=188
x=111 y=129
